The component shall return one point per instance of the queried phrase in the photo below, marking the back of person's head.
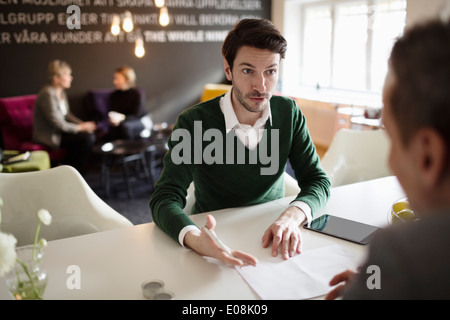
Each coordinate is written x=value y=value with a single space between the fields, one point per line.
x=420 y=63
x=129 y=75
x=56 y=68
x=258 y=33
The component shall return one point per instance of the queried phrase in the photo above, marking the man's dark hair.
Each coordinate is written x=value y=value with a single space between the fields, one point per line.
x=420 y=61
x=257 y=33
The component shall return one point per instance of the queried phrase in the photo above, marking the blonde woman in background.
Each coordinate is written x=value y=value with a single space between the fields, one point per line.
x=54 y=124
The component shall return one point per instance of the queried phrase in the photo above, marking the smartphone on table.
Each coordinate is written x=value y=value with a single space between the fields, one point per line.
x=342 y=228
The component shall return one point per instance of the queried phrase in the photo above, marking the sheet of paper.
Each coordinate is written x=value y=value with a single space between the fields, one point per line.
x=304 y=276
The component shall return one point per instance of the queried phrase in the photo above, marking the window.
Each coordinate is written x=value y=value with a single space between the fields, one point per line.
x=346 y=44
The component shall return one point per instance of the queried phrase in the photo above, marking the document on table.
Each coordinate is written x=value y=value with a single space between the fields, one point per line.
x=303 y=276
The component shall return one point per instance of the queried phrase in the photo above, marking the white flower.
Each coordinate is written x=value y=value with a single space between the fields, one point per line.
x=7 y=252
x=43 y=243
x=44 y=216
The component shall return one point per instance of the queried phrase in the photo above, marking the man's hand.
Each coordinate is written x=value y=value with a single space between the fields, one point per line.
x=285 y=233
x=345 y=277
x=200 y=242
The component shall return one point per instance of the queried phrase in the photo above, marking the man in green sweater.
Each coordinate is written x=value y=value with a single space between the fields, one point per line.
x=235 y=148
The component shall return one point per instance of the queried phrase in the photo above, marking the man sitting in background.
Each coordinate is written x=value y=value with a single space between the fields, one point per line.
x=414 y=258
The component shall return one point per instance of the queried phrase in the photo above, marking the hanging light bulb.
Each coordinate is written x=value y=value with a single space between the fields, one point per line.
x=164 y=16
x=115 y=26
x=159 y=3
x=127 y=22
x=139 y=49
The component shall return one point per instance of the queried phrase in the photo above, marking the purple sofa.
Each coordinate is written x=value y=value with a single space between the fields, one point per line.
x=97 y=105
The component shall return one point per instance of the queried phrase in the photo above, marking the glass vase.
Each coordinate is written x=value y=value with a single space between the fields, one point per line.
x=28 y=279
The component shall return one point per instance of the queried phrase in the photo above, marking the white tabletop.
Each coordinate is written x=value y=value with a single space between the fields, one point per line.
x=113 y=264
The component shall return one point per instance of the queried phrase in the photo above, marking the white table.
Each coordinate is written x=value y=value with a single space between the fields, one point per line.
x=114 y=263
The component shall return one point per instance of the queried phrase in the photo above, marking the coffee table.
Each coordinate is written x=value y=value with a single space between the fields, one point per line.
x=123 y=153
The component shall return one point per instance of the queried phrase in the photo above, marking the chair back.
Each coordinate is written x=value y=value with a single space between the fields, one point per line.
x=75 y=208
x=357 y=155
x=212 y=90
x=16 y=120
x=97 y=104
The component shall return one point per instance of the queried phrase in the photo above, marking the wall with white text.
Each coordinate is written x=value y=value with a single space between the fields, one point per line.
x=180 y=58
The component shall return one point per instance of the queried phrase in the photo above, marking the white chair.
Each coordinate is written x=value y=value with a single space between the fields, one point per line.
x=74 y=207
x=290 y=185
x=357 y=155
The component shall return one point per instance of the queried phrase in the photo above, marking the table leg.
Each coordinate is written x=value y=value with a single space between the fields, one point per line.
x=126 y=175
x=104 y=175
x=145 y=167
x=151 y=161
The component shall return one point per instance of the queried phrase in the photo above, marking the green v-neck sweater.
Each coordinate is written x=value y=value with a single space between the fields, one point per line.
x=225 y=173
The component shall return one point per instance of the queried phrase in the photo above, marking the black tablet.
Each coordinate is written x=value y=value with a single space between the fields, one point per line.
x=343 y=228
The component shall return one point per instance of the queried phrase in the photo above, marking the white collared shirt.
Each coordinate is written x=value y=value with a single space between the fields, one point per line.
x=250 y=136
x=63 y=107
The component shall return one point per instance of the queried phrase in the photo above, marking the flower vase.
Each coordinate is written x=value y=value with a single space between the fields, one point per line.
x=28 y=279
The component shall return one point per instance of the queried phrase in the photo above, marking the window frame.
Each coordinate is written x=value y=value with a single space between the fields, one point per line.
x=294 y=83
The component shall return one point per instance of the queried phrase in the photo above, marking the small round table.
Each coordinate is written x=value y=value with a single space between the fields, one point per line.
x=123 y=152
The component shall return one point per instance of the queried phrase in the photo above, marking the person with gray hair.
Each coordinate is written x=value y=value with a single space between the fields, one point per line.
x=413 y=258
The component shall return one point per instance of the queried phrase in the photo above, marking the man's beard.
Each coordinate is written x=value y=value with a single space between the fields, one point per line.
x=260 y=107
